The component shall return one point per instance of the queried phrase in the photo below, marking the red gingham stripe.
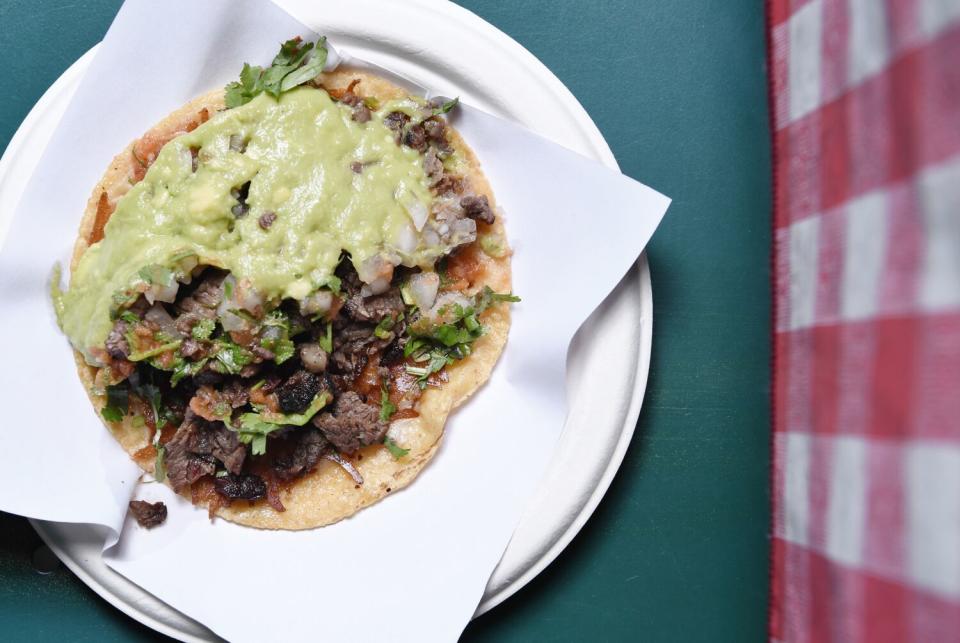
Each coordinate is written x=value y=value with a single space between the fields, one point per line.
x=866 y=367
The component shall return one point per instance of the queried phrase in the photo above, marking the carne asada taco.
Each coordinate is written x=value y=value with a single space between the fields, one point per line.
x=280 y=292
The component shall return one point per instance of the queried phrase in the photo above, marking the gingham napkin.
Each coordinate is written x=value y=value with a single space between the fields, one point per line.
x=866 y=466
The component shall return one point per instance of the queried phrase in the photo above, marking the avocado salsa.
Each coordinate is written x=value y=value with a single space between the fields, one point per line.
x=273 y=292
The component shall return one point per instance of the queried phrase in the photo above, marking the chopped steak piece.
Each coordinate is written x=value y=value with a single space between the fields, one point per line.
x=449 y=184
x=433 y=166
x=396 y=121
x=352 y=345
x=477 y=207
x=148 y=514
x=246 y=487
x=205 y=298
x=228 y=449
x=296 y=394
x=266 y=220
x=436 y=130
x=376 y=307
x=192 y=348
x=361 y=113
x=184 y=464
x=416 y=137
x=236 y=394
x=309 y=448
x=116 y=344
x=352 y=424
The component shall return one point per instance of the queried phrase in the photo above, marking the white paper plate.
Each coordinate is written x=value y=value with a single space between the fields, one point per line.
x=454 y=52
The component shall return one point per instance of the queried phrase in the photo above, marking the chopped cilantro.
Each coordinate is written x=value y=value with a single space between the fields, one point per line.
x=447 y=106
x=283 y=350
x=230 y=357
x=151 y=393
x=395 y=450
x=203 y=329
x=297 y=62
x=111 y=414
x=382 y=331
x=129 y=317
x=326 y=342
x=227 y=288
x=387 y=408
x=118 y=403
x=159 y=465
x=183 y=368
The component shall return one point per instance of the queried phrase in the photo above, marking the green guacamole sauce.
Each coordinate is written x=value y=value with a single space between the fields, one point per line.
x=297 y=157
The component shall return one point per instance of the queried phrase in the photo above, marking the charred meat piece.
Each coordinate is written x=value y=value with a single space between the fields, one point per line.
x=477 y=207
x=433 y=166
x=310 y=446
x=148 y=514
x=205 y=298
x=374 y=308
x=189 y=456
x=416 y=137
x=228 y=449
x=352 y=424
x=116 y=344
x=246 y=486
x=298 y=391
x=352 y=345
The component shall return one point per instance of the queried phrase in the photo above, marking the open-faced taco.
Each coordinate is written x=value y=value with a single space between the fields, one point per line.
x=281 y=290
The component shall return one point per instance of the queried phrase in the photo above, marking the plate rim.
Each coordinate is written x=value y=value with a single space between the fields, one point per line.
x=640 y=272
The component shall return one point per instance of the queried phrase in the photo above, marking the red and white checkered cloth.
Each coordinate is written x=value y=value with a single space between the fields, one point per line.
x=866 y=448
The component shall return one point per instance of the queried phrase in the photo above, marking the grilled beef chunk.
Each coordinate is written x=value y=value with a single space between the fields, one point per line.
x=228 y=449
x=205 y=298
x=310 y=445
x=195 y=448
x=433 y=166
x=185 y=464
x=246 y=486
x=374 y=308
x=352 y=345
x=477 y=207
x=296 y=393
x=416 y=137
x=148 y=514
x=352 y=424
x=116 y=344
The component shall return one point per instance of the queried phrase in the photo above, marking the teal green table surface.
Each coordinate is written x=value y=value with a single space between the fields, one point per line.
x=677 y=551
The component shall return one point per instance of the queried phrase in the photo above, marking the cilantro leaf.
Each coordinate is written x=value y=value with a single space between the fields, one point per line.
x=447 y=106
x=395 y=450
x=326 y=342
x=230 y=357
x=111 y=414
x=387 y=408
x=118 y=403
x=296 y=63
x=159 y=465
x=203 y=329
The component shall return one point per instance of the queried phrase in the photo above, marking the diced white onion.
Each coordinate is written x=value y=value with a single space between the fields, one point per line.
x=232 y=322
x=317 y=303
x=375 y=269
x=418 y=213
x=405 y=240
x=424 y=287
x=159 y=292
